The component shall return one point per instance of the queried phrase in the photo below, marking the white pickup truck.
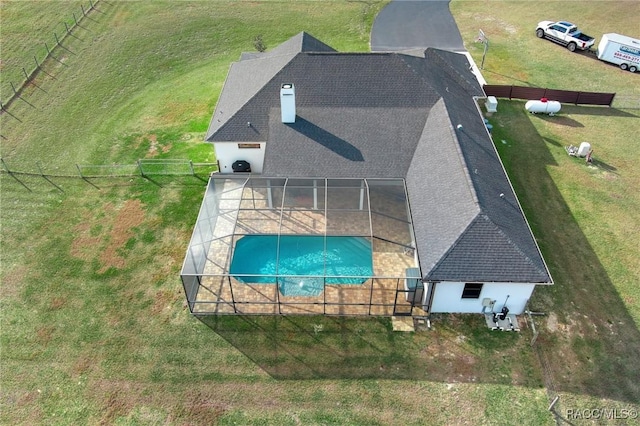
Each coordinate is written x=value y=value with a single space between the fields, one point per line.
x=564 y=33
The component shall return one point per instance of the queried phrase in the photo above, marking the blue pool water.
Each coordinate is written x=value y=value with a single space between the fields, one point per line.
x=304 y=265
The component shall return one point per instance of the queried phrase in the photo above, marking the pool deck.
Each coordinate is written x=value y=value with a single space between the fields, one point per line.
x=220 y=293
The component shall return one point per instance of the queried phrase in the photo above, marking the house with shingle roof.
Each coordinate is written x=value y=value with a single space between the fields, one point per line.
x=406 y=135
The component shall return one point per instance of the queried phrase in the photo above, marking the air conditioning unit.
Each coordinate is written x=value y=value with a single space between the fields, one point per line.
x=241 y=166
x=491 y=104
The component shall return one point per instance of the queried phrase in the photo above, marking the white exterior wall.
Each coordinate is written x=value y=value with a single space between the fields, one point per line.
x=228 y=152
x=447 y=297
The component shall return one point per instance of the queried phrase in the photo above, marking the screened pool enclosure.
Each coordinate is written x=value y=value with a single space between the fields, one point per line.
x=272 y=246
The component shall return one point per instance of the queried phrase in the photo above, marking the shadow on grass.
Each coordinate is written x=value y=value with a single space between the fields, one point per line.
x=596 y=162
x=594 y=110
x=591 y=54
x=604 y=166
x=457 y=349
x=39 y=182
x=562 y=120
x=592 y=346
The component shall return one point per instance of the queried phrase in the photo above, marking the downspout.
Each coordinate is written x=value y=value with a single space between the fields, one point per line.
x=431 y=285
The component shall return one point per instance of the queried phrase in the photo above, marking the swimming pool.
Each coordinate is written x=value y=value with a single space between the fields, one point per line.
x=304 y=265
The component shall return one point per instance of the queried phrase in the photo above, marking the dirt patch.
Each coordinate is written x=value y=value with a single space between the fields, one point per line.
x=26 y=402
x=57 y=303
x=117 y=398
x=552 y=322
x=118 y=222
x=44 y=334
x=164 y=299
x=200 y=409
x=83 y=365
x=84 y=245
x=12 y=281
x=115 y=406
x=153 y=145
x=128 y=217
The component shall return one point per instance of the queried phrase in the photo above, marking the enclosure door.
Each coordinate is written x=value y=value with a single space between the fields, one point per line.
x=401 y=306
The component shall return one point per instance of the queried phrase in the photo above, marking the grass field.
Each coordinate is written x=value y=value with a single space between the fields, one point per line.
x=585 y=218
x=93 y=321
x=24 y=39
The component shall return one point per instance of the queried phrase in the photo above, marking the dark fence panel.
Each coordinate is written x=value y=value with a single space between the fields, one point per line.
x=563 y=96
x=596 y=98
x=498 y=91
x=520 y=92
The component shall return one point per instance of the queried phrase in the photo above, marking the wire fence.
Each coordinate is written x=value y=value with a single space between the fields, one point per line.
x=544 y=359
x=56 y=42
x=144 y=168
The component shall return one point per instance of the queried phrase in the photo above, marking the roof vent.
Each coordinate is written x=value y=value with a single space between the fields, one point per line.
x=288 y=103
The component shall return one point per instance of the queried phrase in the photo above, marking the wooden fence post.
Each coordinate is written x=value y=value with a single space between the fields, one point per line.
x=79 y=170
x=193 y=173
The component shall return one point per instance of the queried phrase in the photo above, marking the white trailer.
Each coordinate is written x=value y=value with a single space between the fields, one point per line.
x=620 y=50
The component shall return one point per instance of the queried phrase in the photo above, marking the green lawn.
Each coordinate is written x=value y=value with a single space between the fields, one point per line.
x=94 y=325
x=585 y=217
x=23 y=40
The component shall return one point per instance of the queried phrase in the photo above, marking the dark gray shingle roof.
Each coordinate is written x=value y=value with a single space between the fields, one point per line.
x=488 y=178
x=441 y=194
x=488 y=255
x=253 y=71
x=391 y=115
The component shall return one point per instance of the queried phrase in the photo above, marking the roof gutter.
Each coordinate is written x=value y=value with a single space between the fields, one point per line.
x=475 y=99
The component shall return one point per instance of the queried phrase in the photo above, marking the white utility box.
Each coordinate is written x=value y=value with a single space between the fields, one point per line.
x=491 y=104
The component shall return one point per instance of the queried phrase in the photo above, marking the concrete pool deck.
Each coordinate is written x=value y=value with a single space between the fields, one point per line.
x=220 y=293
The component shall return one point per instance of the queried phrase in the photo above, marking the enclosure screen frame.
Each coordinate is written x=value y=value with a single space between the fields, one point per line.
x=371 y=212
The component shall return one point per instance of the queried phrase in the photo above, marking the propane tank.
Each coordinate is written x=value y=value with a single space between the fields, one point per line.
x=543 y=106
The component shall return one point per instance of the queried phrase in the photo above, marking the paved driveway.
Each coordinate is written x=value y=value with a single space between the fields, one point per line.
x=414 y=24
